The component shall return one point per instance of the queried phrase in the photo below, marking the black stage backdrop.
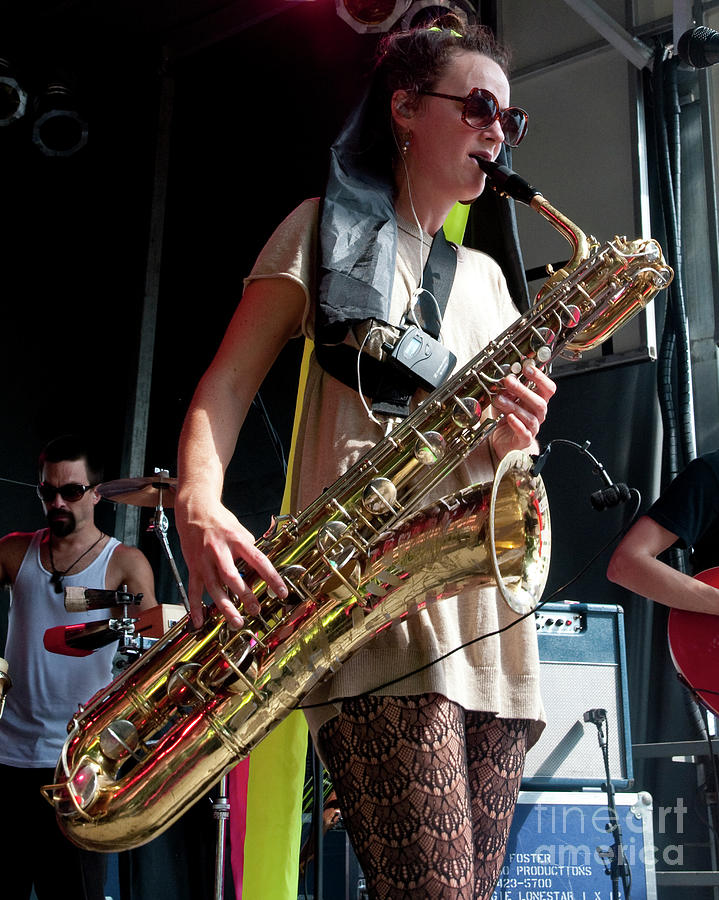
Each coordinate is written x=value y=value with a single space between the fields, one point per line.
x=253 y=114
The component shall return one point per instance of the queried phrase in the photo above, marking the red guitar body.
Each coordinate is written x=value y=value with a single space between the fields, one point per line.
x=694 y=645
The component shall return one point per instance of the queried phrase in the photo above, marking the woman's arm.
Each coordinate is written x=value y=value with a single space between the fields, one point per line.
x=212 y=539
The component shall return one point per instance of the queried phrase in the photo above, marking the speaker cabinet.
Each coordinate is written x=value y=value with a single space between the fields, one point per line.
x=582 y=668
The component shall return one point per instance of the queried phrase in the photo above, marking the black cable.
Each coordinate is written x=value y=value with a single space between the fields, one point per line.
x=674 y=360
x=271 y=430
x=668 y=339
x=684 y=380
x=698 y=691
x=19 y=483
x=612 y=495
x=582 y=448
x=712 y=756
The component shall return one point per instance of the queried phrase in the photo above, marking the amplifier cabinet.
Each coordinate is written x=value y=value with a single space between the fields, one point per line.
x=582 y=667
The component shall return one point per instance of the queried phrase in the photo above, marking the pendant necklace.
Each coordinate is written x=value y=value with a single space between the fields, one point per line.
x=56 y=577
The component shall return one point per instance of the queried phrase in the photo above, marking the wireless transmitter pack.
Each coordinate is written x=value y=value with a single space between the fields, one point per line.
x=419 y=355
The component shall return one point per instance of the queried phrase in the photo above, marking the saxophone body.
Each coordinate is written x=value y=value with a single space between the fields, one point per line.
x=363 y=555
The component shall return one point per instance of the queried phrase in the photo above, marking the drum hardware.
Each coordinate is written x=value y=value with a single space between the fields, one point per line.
x=159 y=491
x=5 y=683
x=156 y=490
x=81 y=599
x=83 y=638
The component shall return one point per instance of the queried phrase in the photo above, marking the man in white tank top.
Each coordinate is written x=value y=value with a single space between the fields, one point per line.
x=47 y=687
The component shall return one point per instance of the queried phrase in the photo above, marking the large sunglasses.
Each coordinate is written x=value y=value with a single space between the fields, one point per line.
x=481 y=108
x=71 y=492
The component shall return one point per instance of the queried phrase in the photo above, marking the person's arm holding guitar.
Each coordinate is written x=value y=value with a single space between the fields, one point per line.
x=635 y=566
x=685 y=515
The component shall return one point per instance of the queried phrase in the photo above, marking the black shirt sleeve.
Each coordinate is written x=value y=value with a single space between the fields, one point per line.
x=689 y=508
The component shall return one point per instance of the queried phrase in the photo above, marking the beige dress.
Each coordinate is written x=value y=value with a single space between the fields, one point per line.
x=500 y=674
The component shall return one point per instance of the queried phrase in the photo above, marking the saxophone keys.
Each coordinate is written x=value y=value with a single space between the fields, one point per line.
x=344 y=581
x=544 y=354
x=329 y=535
x=285 y=522
x=237 y=667
x=467 y=412
x=81 y=790
x=430 y=447
x=181 y=688
x=570 y=315
x=541 y=340
x=119 y=738
x=331 y=544
x=380 y=496
x=293 y=577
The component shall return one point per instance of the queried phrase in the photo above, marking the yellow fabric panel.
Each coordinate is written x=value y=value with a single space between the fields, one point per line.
x=274 y=813
x=277 y=772
x=456 y=222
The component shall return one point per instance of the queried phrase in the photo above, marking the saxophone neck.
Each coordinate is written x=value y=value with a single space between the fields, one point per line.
x=507 y=183
x=582 y=245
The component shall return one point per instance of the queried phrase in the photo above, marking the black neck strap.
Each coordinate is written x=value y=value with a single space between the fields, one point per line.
x=393 y=395
x=437 y=282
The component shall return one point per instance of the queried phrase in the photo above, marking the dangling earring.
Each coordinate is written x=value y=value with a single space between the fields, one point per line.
x=407 y=140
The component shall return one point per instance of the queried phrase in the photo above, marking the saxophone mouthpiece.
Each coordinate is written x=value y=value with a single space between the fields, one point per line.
x=505 y=181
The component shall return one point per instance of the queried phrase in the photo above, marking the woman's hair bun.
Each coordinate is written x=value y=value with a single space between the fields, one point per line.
x=449 y=21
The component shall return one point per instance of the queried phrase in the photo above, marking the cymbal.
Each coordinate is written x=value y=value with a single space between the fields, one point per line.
x=152 y=491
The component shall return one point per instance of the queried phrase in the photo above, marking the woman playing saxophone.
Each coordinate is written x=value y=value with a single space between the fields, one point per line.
x=426 y=770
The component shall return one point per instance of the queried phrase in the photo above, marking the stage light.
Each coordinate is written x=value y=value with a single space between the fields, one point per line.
x=59 y=128
x=421 y=11
x=13 y=97
x=368 y=16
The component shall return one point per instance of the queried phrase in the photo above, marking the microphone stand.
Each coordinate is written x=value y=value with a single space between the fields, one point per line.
x=158 y=525
x=618 y=867
x=221 y=812
x=317 y=824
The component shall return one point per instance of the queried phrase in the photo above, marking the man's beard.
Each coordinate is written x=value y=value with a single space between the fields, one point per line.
x=61 y=522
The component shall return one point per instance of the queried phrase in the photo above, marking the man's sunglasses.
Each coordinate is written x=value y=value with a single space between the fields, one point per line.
x=71 y=492
x=481 y=108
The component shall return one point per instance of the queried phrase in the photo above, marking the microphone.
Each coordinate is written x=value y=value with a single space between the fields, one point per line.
x=79 y=640
x=5 y=683
x=595 y=716
x=611 y=496
x=540 y=460
x=80 y=599
x=699 y=47
x=506 y=181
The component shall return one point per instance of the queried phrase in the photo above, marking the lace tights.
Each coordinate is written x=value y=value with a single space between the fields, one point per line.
x=427 y=792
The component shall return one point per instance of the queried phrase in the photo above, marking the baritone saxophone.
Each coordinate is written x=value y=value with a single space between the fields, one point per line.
x=363 y=555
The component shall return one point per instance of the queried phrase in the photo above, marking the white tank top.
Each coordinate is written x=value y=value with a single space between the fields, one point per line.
x=47 y=687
